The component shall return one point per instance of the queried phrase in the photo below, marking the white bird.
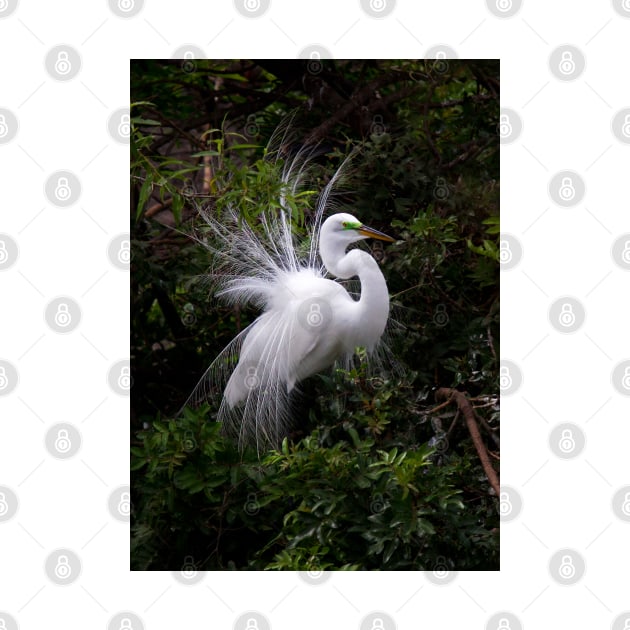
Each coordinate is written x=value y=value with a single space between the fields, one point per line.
x=308 y=321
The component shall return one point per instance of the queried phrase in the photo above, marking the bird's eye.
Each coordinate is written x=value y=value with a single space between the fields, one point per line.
x=344 y=224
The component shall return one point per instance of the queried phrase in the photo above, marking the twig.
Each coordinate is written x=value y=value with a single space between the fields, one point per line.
x=463 y=404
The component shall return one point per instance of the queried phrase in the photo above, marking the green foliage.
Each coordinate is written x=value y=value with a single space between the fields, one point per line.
x=315 y=504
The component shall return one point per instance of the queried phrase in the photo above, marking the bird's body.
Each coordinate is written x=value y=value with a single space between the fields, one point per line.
x=308 y=321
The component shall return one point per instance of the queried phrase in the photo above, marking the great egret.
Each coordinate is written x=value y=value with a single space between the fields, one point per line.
x=307 y=322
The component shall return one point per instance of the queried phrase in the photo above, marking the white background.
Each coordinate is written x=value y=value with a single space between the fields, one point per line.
x=566 y=377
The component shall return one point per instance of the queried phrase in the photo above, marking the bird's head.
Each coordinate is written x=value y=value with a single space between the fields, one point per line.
x=345 y=228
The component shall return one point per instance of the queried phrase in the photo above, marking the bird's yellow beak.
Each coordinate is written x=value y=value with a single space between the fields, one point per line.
x=364 y=230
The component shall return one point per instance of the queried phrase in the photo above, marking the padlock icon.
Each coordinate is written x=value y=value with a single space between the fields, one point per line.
x=4 y=506
x=567 y=316
x=126 y=5
x=441 y=316
x=3 y=625
x=188 y=65
x=505 y=126
x=505 y=378
x=625 y=5
x=4 y=129
x=252 y=624
x=315 y=62
x=4 y=254
x=189 y=570
x=124 y=504
x=441 y=570
x=567 y=568
x=62 y=569
x=189 y=441
x=567 y=442
x=62 y=190
x=625 y=380
x=252 y=5
x=626 y=623
x=505 y=253
x=62 y=442
x=440 y=64
x=251 y=505
x=125 y=624
x=124 y=126
x=252 y=380
x=378 y=126
x=62 y=316
x=124 y=253
x=504 y=5
x=62 y=64
x=378 y=5
x=314 y=317
x=4 y=381
x=377 y=624
x=625 y=506
x=567 y=189
x=440 y=191
x=124 y=379
x=503 y=624
x=625 y=254
x=505 y=504
x=567 y=64
x=625 y=128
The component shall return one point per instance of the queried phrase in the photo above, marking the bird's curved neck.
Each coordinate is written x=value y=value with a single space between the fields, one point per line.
x=374 y=295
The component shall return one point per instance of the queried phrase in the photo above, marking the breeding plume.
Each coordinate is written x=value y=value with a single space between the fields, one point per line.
x=308 y=319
